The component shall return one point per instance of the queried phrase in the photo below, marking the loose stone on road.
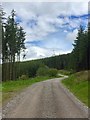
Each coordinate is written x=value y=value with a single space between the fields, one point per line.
x=45 y=99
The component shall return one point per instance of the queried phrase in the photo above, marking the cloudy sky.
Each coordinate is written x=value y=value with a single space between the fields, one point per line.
x=51 y=27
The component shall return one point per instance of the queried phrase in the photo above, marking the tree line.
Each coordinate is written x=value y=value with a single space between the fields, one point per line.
x=13 y=37
x=75 y=61
x=78 y=59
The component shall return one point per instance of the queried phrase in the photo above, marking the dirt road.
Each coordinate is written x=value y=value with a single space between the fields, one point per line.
x=45 y=99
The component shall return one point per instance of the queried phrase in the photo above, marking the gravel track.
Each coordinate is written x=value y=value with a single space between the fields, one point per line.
x=47 y=99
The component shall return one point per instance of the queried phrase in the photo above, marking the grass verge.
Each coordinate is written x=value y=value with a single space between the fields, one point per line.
x=78 y=84
x=66 y=72
x=11 y=88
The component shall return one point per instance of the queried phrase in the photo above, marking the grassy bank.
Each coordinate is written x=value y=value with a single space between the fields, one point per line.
x=65 y=72
x=78 y=84
x=11 y=88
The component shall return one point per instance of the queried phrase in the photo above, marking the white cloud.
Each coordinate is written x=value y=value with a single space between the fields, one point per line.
x=72 y=35
x=45 y=13
x=35 y=52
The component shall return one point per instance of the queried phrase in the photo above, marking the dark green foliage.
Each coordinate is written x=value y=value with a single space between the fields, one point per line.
x=53 y=72
x=13 y=37
x=46 y=71
x=29 y=68
x=58 y=62
x=88 y=48
x=43 y=71
x=80 y=51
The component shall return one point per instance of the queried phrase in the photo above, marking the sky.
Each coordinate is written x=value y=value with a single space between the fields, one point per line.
x=51 y=27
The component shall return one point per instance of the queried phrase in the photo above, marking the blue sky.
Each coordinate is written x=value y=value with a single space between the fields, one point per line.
x=51 y=27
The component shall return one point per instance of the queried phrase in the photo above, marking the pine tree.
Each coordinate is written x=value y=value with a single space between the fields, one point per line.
x=80 y=50
x=13 y=42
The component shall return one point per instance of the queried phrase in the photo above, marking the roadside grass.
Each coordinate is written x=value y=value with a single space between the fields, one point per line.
x=78 y=84
x=0 y=94
x=0 y=87
x=65 y=72
x=11 y=88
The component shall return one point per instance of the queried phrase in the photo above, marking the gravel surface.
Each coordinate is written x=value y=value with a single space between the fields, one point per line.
x=47 y=99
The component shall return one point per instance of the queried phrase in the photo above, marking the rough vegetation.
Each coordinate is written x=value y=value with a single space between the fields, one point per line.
x=78 y=84
x=46 y=71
